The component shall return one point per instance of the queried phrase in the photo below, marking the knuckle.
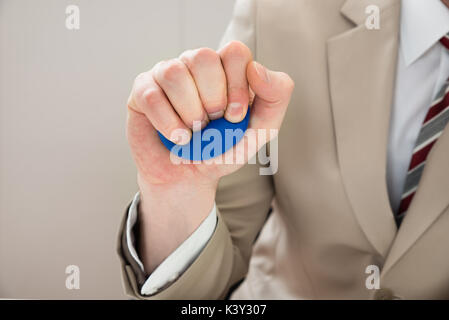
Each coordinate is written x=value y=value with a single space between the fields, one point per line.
x=140 y=84
x=151 y=96
x=238 y=93
x=139 y=80
x=130 y=102
x=201 y=56
x=205 y=55
x=290 y=84
x=236 y=49
x=186 y=56
x=170 y=70
x=141 y=76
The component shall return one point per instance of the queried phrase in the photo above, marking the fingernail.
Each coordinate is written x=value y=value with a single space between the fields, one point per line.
x=197 y=125
x=234 y=111
x=262 y=72
x=180 y=136
x=205 y=121
x=216 y=115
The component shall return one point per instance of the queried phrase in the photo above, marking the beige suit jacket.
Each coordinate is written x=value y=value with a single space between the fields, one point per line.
x=331 y=216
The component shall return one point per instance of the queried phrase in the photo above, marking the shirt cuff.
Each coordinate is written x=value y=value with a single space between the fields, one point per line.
x=179 y=260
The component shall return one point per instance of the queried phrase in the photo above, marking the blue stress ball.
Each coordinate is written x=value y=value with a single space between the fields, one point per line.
x=216 y=138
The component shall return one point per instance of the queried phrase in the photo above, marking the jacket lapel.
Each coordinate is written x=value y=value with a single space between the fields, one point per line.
x=362 y=68
x=430 y=201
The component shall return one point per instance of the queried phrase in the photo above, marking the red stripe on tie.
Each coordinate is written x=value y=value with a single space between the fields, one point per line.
x=421 y=155
x=445 y=42
x=405 y=203
x=437 y=109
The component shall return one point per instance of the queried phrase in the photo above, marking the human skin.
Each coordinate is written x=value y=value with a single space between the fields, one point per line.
x=200 y=85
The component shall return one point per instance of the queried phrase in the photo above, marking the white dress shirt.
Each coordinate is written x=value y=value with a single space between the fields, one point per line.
x=423 y=67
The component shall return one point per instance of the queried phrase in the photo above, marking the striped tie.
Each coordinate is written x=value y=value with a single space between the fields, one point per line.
x=432 y=128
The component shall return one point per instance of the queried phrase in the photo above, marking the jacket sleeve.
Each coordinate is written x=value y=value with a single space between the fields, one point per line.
x=243 y=201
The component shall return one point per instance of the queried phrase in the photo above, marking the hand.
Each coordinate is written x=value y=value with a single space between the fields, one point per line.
x=200 y=85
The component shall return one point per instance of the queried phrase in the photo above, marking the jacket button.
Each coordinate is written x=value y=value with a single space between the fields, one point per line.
x=384 y=294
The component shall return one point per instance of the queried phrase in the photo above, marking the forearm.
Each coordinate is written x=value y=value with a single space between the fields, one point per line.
x=168 y=215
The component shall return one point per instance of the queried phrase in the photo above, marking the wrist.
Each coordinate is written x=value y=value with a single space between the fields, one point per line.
x=191 y=199
x=168 y=215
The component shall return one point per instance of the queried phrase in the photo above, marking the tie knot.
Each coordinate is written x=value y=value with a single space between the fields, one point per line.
x=445 y=41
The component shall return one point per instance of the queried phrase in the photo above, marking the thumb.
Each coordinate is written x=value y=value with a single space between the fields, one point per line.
x=272 y=91
x=272 y=95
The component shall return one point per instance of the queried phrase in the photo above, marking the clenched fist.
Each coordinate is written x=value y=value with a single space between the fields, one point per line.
x=199 y=86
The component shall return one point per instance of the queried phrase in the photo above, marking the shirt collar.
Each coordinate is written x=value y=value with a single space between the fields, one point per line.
x=423 y=23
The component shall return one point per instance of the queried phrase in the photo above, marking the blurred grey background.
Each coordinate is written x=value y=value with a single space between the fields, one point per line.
x=66 y=174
